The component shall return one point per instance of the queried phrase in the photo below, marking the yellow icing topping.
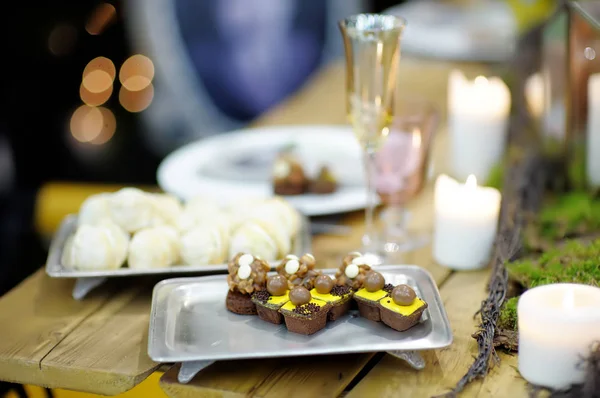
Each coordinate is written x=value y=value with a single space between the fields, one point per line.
x=289 y=306
x=373 y=296
x=405 y=310
x=276 y=300
x=330 y=298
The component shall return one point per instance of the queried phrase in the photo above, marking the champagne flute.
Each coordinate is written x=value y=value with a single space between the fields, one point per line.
x=372 y=47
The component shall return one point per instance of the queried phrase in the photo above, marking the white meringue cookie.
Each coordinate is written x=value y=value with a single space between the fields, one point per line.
x=96 y=247
x=132 y=209
x=154 y=247
x=203 y=246
x=94 y=209
x=251 y=237
x=167 y=209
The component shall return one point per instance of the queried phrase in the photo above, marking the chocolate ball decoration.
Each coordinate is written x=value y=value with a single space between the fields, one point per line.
x=299 y=295
x=324 y=284
x=403 y=295
x=374 y=281
x=277 y=285
x=309 y=260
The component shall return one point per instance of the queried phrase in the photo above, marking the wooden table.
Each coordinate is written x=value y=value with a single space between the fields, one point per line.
x=99 y=344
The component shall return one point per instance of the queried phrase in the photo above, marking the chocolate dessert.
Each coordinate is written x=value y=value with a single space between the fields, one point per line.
x=304 y=314
x=246 y=274
x=369 y=296
x=337 y=296
x=288 y=176
x=353 y=271
x=324 y=183
x=269 y=301
x=402 y=309
x=299 y=271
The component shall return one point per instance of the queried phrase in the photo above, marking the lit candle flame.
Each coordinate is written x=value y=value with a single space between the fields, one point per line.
x=569 y=300
x=416 y=138
x=481 y=80
x=471 y=181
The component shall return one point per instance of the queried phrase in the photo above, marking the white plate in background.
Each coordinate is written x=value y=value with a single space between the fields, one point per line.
x=237 y=165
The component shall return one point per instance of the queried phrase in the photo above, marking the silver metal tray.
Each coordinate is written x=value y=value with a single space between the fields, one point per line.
x=88 y=280
x=189 y=323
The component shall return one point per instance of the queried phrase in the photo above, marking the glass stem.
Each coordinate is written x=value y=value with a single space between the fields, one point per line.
x=369 y=242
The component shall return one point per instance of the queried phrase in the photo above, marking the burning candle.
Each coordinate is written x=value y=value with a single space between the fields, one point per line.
x=477 y=122
x=558 y=324
x=466 y=220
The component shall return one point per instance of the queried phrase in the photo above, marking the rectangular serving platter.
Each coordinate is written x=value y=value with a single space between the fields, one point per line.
x=189 y=322
x=301 y=244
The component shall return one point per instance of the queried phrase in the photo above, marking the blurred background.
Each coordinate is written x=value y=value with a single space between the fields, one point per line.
x=100 y=91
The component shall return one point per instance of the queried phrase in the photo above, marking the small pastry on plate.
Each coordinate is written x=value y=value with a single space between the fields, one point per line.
x=299 y=271
x=402 y=309
x=132 y=209
x=96 y=247
x=337 y=296
x=369 y=296
x=204 y=245
x=324 y=183
x=304 y=314
x=167 y=209
x=288 y=176
x=246 y=274
x=154 y=247
x=94 y=209
x=353 y=273
x=251 y=237
x=269 y=301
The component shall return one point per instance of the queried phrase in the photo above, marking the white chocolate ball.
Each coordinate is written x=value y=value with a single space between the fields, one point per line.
x=291 y=257
x=203 y=246
x=351 y=271
x=132 y=209
x=96 y=247
x=281 y=169
x=360 y=261
x=292 y=266
x=94 y=209
x=244 y=271
x=155 y=247
x=245 y=260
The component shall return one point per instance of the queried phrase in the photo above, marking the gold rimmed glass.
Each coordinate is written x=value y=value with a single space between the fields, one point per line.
x=372 y=46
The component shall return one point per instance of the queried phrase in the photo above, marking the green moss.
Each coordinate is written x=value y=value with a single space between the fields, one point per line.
x=567 y=215
x=508 y=315
x=496 y=176
x=574 y=262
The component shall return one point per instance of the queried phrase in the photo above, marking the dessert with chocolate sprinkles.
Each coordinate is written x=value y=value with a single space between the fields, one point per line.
x=369 y=296
x=269 y=301
x=326 y=289
x=402 y=309
x=304 y=314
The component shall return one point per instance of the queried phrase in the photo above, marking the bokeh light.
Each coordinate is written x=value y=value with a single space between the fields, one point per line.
x=99 y=75
x=136 y=101
x=137 y=73
x=94 y=99
x=109 y=126
x=102 y=16
x=86 y=123
x=62 y=39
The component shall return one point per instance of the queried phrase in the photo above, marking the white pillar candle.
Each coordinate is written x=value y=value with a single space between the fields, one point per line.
x=466 y=221
x=477 y=122
x=557 y=325
x=593 y=131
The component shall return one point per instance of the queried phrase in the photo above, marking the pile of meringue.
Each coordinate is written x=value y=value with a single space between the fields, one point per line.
x=151 y=230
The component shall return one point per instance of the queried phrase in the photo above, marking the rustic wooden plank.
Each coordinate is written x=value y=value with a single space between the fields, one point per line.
x=107 y=352
x=462 y=295
x=35 y=317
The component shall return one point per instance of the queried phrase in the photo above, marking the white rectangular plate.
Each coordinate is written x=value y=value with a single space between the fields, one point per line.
x=54 y=267
x=189 y=322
